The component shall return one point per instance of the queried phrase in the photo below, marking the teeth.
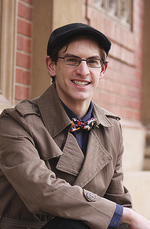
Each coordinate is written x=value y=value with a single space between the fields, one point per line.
x=80 y=83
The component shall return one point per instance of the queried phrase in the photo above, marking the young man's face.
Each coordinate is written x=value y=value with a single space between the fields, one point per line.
x=76 y=84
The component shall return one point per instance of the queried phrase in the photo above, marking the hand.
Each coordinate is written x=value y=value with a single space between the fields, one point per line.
x=134 y=220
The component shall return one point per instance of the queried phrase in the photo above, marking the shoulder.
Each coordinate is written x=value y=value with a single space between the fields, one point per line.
x=105 y=117
x=30 y=107
x=22 y=109
x=27 y=107
x=110 y=114
x=20 y=118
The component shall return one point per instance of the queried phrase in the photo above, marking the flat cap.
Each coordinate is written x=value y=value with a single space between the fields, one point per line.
x=69 y=31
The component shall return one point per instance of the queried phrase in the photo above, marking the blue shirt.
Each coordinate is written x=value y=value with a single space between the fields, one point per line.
x=82 y=139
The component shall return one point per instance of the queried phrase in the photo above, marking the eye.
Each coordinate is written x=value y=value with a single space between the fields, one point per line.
x=70 y=60
x=93 y=61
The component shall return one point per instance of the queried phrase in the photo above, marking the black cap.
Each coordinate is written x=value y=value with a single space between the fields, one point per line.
x=68 y=31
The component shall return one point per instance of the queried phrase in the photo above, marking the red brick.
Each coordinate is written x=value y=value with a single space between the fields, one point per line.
x=24 y=27
x=23 y=60
x=122 y=111
x=117 y=100
x=22 y=76
x=24 y=11
x=26 y=77
x=19 y=75
x=118 y=31
x=27 y=45
x=123 y=78
x=23 y=44
x=20 y=41
x=121 y=89
x=21 y=92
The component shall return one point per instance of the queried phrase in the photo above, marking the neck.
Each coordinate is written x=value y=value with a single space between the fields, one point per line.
x=80 y=109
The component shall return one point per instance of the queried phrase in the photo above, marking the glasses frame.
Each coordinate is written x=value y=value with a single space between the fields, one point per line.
x=80 y=60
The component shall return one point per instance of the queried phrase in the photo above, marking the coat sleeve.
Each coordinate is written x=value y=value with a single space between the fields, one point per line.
x=116 y=192
x=38 y=186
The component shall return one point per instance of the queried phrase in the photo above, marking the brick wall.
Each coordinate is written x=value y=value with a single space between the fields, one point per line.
x=23 y=52
x=120 y=91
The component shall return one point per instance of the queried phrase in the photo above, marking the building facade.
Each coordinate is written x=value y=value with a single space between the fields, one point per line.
x=24 y=31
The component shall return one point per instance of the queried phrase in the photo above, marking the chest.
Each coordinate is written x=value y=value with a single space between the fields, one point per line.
x=92 y=171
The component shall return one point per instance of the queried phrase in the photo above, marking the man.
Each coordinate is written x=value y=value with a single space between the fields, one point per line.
x=61 y=154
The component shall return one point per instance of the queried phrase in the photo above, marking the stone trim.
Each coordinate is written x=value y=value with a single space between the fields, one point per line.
x=7 y=52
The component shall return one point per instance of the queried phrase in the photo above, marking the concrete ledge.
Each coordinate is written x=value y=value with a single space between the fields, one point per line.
x=138 y=184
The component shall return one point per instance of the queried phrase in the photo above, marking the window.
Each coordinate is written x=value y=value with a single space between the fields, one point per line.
x=118 y=10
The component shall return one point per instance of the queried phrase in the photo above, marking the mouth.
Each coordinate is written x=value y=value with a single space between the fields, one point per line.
x=80 y=83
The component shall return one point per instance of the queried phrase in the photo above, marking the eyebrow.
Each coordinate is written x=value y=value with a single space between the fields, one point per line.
x=72 y=55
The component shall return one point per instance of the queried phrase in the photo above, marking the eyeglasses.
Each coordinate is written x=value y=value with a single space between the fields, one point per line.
x=91 y=62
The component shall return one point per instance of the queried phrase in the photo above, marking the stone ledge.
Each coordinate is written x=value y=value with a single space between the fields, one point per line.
x=138 y=184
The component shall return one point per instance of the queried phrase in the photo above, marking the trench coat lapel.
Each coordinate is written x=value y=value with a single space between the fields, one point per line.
x=72 y=158
x=97 y=157
x=53 y=114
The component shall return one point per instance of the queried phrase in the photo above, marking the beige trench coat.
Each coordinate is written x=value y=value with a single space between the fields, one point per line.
x=43 y=172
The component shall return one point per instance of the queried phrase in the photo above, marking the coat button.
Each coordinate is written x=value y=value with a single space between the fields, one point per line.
x=36 y=109
x=90 y=197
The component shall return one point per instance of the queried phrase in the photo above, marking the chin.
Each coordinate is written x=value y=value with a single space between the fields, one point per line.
x=81 y=98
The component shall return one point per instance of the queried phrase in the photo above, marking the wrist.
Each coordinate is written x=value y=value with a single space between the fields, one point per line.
x=127 y=216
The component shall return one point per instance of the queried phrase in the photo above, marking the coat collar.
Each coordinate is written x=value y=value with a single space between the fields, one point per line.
x=55 y=117
x=103 y=116
x=52 y=111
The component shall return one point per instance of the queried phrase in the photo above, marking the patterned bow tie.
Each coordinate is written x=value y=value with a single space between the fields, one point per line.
x=77 y=124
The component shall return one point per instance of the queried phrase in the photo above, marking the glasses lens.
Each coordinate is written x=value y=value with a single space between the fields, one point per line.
x=94 y=63
x=73 y=61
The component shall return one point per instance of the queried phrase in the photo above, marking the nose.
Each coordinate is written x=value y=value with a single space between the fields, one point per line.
x=83 y=69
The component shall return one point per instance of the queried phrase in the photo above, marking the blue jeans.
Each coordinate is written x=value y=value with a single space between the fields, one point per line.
x=62 y=223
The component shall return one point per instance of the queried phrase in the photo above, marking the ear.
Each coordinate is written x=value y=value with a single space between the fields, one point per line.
x=103 y=70
x=50 y=66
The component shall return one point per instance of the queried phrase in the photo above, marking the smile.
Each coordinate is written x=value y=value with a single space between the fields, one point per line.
x=80 y=83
